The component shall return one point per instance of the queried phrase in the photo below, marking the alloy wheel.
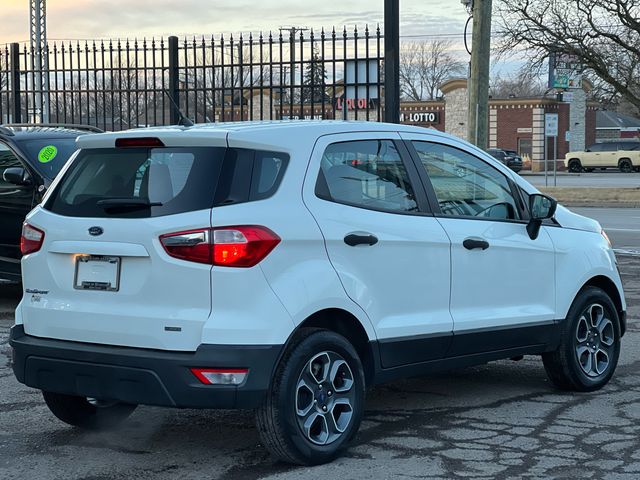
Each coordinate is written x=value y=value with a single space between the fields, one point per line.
x=625 y=166
x=595 y=341
x=325 y=397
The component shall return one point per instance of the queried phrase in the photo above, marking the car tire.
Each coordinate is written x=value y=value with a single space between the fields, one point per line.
x=589 y=344
x=89 y=414
x=575 y=166
x=625 y=165
x=319 y=378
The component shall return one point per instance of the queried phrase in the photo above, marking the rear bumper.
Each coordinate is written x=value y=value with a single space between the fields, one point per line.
x=142 y=376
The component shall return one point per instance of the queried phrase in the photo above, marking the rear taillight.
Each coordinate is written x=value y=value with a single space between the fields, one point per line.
x=238 y=246
x=31 y=239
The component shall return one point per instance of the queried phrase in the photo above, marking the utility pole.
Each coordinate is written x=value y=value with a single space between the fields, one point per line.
x=293 y=31
x=38 y=39
x=478 y=122
x=392 y=61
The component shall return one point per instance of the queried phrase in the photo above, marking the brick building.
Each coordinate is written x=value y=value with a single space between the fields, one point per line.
x=514 y=123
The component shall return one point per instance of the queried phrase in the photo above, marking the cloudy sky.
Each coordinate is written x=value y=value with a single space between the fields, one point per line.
x=101 y=19
x=87 y=19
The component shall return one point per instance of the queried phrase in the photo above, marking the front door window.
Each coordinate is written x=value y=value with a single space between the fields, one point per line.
x=465 y=185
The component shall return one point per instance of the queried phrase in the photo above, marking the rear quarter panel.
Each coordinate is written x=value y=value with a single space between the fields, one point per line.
x=297 y=272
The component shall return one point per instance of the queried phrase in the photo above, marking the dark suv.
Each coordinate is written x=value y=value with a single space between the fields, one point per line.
x=30 y=158
x=510 y=158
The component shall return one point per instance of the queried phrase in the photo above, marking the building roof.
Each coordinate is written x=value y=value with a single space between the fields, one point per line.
x=615 y=120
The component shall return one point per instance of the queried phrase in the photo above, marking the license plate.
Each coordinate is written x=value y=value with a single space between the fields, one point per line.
x=97 y=272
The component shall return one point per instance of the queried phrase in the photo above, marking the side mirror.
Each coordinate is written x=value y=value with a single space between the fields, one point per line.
x=541 y=207
x=17 y=176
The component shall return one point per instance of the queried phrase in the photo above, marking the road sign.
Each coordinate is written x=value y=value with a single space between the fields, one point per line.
x=550 y=124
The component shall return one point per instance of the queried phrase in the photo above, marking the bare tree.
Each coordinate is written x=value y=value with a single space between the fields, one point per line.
x=523 y=83
x=224 y=77
x=112 y=97
x=604 y=34
x=424 y=66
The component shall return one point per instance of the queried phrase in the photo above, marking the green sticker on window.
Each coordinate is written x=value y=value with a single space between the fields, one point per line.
x=47 y=154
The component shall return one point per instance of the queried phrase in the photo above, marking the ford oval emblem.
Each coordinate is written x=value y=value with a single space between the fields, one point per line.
x=95 y=231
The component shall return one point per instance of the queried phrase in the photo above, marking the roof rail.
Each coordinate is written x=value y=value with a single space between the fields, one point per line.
x=6 y=131
x=73 y=126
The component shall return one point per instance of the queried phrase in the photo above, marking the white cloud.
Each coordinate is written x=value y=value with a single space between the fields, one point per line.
x=138 y=18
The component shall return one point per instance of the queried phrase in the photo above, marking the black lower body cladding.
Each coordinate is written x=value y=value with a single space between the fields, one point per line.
x=142 y=376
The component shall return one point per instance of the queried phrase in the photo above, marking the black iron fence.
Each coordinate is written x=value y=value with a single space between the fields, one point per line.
x=117 y=84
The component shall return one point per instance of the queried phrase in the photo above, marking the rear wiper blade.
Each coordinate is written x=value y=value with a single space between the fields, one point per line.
x=126 y=203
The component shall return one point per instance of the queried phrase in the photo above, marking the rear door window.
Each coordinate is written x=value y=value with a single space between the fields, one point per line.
x=367 y=174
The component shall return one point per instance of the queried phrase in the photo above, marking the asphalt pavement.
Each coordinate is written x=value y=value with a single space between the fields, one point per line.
x=609 y=178
x=499 y=421
x=621 y=224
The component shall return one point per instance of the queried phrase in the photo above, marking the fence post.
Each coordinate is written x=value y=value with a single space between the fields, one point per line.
x=15 y=82
x=392 y=61
x=173 y=80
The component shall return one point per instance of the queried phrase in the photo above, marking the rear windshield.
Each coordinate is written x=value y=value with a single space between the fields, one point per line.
x=48 y=155
x=141 y=182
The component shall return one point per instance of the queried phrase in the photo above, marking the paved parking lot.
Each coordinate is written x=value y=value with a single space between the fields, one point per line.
x=502 y=420
x=621 y=224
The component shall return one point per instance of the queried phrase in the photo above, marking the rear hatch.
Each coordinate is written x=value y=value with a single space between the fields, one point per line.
x=102 y=274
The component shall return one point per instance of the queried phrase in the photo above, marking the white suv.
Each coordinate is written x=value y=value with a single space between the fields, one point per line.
x=287 y=266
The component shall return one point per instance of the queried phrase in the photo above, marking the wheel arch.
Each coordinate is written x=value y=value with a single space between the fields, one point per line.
x=610 y=288
x=346 y=324
x=572 y=161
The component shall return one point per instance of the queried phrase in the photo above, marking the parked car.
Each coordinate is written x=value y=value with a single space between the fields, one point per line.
x=288 y=266
x=508 y=157
x=30 y=158
x=623 y=155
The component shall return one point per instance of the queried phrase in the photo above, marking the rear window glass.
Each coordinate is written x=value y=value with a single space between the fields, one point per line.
x=138 y=183
x=48 y=155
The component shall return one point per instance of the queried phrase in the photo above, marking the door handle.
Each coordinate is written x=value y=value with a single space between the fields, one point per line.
x=472 y=243
x=354 y=239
